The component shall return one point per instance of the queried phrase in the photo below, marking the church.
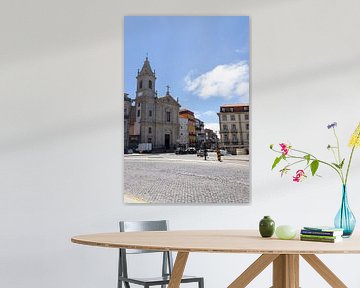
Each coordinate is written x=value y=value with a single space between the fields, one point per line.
x=154 y=119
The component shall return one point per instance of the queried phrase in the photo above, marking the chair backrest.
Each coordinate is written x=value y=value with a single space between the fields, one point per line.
x=137 y=226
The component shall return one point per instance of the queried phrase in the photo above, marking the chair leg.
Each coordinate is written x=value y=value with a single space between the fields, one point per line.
x=201 y=283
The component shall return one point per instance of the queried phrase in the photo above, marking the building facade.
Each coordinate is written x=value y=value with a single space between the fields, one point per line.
x=200 y=132
x=184 y=132
x=234 y=128
x=127 y=110
x=156 y=118
x=211 y=138
x=189 y=115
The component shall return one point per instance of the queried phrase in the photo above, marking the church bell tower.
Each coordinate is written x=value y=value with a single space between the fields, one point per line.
x=146 y=81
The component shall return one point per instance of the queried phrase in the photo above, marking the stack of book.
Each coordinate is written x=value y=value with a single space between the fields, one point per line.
x=321 y=234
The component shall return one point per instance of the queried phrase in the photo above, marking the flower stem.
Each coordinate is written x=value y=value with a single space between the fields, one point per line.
x=348 y=168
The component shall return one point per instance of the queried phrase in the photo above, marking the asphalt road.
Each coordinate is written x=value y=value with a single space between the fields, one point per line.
x=186 y=179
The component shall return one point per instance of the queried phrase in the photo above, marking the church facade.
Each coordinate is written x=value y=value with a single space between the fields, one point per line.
x=156 y=118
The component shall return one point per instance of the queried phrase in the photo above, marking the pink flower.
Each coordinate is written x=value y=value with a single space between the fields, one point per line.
x=284 y=148
x=300 y=174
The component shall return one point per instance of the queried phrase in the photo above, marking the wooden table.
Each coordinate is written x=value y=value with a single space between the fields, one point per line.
x=284 y=254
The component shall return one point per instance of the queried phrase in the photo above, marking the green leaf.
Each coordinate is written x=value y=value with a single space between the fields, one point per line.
x=276 y=161
x=271 y=146
x=314 y=166
x=342 y=163
x=307 y=157
x=336 y=165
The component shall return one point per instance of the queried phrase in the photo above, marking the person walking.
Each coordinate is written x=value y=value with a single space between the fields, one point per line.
x=218 y=154
x=205 y=153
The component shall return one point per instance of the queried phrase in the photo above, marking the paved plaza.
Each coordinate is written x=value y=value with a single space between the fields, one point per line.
x=186 y=179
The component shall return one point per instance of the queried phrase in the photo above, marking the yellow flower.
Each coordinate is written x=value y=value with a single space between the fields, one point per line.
x=355 y=138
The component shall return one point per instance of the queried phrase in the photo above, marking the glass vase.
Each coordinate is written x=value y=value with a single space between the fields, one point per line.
x=345 y=219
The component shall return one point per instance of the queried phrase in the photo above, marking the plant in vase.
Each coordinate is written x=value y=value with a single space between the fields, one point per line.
x=292 y=157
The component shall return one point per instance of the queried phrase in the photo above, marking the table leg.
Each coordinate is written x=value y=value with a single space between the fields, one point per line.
x=178 y=269
x=324 y=271
x=253 y=270
x=286 y=271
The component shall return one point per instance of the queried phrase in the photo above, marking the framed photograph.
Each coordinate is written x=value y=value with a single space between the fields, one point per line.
x=186 y=110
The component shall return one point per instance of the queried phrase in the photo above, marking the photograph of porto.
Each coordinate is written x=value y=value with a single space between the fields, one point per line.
x=186 y=110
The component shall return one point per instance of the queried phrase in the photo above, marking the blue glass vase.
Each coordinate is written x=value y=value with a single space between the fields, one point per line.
x=345 y=219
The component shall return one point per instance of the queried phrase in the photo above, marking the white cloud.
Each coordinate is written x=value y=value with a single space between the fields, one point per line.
x=224 y=81
x=209 y=113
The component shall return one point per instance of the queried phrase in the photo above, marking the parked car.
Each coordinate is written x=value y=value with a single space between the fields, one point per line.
x=180 y=150
x=191 y=150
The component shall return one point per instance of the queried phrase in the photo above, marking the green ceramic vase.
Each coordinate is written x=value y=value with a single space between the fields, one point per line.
x=266 y=226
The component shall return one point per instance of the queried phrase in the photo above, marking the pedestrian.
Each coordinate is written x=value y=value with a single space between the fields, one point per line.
x=218 y=154
x=205 y=153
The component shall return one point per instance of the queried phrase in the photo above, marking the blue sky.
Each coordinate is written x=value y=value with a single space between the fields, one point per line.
x=204 y=60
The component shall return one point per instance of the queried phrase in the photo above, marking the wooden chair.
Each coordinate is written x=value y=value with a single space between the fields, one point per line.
x=167 y=262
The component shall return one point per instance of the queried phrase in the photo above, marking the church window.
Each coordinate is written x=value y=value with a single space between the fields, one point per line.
x=149 y=130
x=168 y=116
x=150 y=84
x=138 y=113
x=150 y=113
x=140 y=84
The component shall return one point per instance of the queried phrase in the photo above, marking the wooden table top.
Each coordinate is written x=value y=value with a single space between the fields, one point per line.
x=218 y=241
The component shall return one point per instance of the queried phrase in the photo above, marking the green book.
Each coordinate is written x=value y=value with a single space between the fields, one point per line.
x=325 y=240
x=319 y=236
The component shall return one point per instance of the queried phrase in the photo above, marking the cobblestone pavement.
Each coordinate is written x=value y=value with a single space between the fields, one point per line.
x=186 y=179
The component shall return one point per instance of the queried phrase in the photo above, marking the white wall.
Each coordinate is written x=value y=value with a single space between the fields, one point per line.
x=61 y=132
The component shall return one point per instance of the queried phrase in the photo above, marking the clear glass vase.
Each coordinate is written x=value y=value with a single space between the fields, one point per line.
x=345 y=219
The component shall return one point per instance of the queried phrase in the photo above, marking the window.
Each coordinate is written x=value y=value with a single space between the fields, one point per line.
x=150 y=84
x=247 y=126
x=246 y=116
x=140 y=84
x=138 y=104
x=138 y=113
x=232 y=117
x=224 y=117
x=149 y=130
x=231 y=109
x=234 y=138
x=246 y=108
x=149 y=140
x=150 y=113
x=225 y=128
x=233 y=127
x=168 y=116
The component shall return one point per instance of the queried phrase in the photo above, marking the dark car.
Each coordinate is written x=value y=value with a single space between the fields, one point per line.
x=180 y=150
